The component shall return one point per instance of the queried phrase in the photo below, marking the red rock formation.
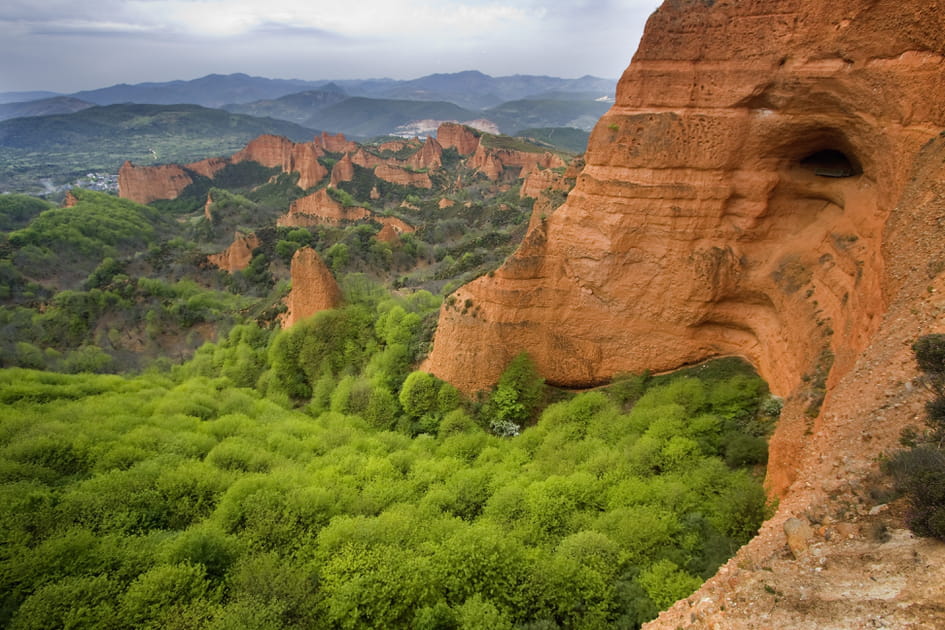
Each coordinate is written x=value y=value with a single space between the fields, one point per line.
x=336 y=143
x=342 y=171
x=485 y=162
x=538 y=180
x=397 y=145
x=388 y=234
x=320 y=208
x=366 y=159
x=430 y=156
x=460 y=137
x=276 y=151
x=238 y=255
x=144 y=184
x=493 y=162
x=314 y=289
x=765 y=186
x=446 y=203
x=70 y=201
x=702 y=224
x=397 y=175
x=399 y=225
x=209 y=167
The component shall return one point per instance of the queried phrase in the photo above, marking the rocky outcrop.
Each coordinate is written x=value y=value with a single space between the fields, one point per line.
x=388 y=234
x=764 y=186
x=209 y=167
x=493 y=162
x=342 y=171
x=237 y=256
x=459 y=137
x=144 y=184
x=314 y=288
x=336 y=143
x=276 y=151
x=539 y=180
x=430 y=156
x=403 y=177
x=398 y=225
x=365 y=159
x=320 y=208
x=484 y=161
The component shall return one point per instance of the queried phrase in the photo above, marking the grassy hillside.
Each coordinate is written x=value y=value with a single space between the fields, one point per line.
x=101 y=138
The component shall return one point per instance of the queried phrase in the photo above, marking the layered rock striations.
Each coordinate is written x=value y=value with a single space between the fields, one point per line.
x=735 y=201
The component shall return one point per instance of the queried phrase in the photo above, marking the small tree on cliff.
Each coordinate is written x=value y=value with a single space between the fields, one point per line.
x=919 y=472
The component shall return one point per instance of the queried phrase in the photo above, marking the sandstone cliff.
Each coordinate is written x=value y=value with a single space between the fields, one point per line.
x=403 y=177
x=320 y=208
x=144 y=184
x=314 y=289
x=766 y=185
x=336 y=143
x=276 y=151
x=237 y=256
x=460 y=137
x=430 y=156
x=343 y=170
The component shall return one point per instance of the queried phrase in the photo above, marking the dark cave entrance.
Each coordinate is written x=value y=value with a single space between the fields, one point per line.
x=831 y=163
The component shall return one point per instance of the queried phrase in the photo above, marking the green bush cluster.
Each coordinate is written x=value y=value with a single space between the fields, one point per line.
x=194 y=501
x=919 y=471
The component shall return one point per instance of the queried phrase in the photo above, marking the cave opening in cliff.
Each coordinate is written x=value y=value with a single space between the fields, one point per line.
x=831 y=163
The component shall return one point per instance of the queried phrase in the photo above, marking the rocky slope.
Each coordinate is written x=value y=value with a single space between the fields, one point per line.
x=766 y=185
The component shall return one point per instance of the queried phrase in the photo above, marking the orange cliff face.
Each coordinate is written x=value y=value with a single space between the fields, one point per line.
x=144 y=184
x=238 y=255
x=735 y=201
x=460 y=137
x=314 y=288
x=320 y=208
x=276 y=151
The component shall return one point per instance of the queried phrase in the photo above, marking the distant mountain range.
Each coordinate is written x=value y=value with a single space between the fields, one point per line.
x=470 y=89
x=215 y=114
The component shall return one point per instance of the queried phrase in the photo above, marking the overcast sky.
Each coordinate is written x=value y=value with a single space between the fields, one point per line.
x=71 y=45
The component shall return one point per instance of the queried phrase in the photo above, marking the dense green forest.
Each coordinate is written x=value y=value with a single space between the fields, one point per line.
x=171 y=458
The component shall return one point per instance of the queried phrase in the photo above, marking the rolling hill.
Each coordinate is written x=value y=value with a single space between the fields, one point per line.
x=101 y=138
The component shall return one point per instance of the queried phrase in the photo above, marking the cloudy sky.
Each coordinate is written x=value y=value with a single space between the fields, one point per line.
x=70 y=45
